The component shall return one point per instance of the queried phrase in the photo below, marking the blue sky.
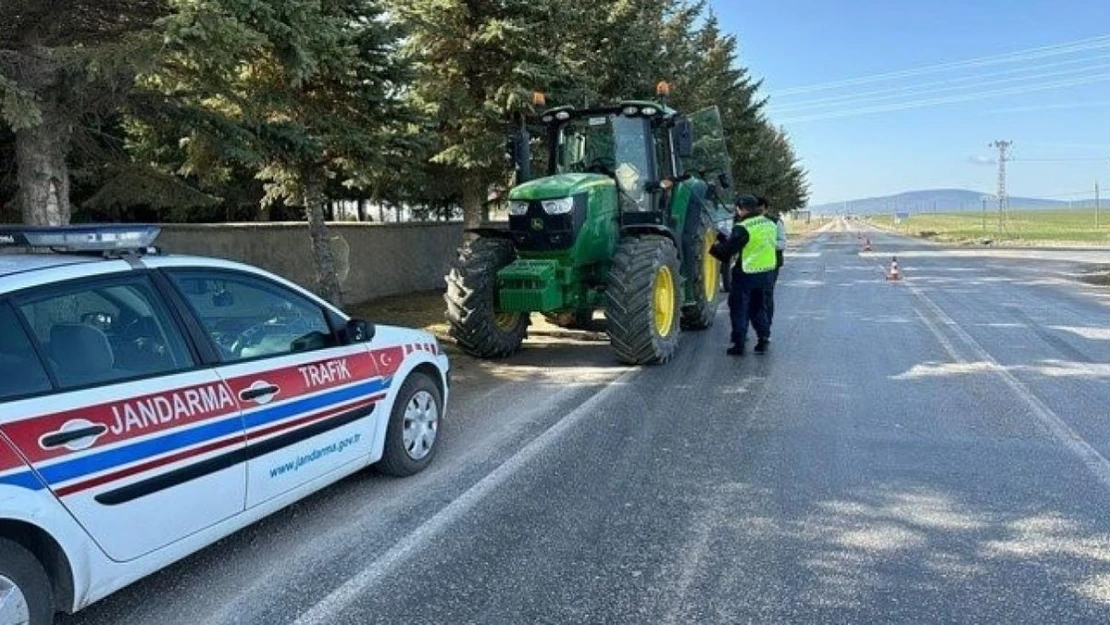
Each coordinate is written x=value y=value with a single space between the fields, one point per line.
x=801 y=43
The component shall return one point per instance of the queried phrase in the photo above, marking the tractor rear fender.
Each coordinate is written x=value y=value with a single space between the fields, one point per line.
x=639 y=229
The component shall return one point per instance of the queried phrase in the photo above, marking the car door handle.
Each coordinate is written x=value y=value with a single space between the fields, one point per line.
x=58 y=439
x=256 y=392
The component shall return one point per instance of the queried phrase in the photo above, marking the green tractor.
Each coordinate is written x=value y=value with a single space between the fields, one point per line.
x=622 y=222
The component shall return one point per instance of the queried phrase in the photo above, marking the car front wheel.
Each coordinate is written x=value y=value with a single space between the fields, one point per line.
x=413 y=432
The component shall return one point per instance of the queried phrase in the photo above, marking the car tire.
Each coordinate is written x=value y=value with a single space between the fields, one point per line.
x=24 y=583
x=412 y=437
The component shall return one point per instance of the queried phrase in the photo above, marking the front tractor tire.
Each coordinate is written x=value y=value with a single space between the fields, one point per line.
x=706 y=277
x=471 y=298
x=644 y=300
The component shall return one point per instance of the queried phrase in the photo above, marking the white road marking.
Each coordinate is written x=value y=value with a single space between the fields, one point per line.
x=324 y=611
x=1098 y=465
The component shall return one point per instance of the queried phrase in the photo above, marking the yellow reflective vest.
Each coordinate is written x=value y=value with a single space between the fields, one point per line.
x=758 y=255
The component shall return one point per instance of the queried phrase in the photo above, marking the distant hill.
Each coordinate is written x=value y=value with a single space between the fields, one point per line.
x=943 y=200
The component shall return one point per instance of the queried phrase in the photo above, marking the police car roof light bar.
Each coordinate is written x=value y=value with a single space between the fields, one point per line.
x=94 y=238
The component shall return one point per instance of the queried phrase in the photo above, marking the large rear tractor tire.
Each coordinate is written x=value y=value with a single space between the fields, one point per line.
x=706 y=277
x=471 y=297
x=644 y=300
x=577 y=319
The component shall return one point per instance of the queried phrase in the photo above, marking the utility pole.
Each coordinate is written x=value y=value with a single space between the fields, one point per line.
x=984 y=198
x=1097 y=207
x=1003 y=156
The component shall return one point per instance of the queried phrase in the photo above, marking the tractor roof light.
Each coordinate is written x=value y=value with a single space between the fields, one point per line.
x=562 y=116
x=90 y=238
x=547 y=119
x=631 y=110
x=649 y=111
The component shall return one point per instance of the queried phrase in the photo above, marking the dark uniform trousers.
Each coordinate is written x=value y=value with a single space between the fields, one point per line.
x=774 y=281
x=750 y=302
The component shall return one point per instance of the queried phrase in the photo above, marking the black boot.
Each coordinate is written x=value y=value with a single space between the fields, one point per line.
x=762 y=345
x=736 y=350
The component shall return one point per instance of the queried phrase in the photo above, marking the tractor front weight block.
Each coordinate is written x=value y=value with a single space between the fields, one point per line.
x=529 y=286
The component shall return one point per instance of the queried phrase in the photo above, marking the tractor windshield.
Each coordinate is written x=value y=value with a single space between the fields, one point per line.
x=610 y=144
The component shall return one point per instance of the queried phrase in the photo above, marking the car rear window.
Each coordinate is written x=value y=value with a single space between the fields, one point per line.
x=21 y=371
x=103 y=332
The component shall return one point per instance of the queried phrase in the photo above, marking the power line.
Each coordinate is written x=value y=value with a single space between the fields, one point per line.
x=1049 y=107
x=1059 y=160
x=854 y=112
x=1079 y=45
x=945 y=85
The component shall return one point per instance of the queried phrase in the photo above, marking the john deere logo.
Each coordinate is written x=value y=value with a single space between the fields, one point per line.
x=537 y=223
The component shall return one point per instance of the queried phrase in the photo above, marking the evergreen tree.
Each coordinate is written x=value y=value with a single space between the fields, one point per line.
x=478 y=61
x=302 y=91
x=61 y=63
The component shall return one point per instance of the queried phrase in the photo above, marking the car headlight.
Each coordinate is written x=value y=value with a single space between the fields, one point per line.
x=518 y=208
x=558 y=207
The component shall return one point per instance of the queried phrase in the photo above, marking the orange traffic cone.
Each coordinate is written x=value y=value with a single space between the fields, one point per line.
x=894 y=273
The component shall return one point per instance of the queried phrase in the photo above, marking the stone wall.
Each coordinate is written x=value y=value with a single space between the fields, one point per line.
x=374 y=260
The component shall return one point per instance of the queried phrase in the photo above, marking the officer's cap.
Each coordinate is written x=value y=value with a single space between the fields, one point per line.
x=747 y=202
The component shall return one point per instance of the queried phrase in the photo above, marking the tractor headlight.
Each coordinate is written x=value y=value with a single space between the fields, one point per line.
x=517 y=208
x=558 y=207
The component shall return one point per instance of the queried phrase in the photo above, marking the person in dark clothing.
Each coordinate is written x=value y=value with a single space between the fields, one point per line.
x=780 y=249
x=753 y=238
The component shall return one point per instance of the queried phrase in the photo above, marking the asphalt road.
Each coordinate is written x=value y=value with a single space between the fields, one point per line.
x=926 y=451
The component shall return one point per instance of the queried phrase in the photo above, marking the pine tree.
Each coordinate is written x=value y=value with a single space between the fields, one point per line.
x=478 y=61
x=302 y=91
x=61 y=63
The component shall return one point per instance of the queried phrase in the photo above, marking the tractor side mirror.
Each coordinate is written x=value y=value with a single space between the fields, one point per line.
x=684 y=138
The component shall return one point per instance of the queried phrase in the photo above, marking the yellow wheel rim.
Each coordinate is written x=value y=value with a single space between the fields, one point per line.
x=663 y=299
x=505 y=321
x=711 y=271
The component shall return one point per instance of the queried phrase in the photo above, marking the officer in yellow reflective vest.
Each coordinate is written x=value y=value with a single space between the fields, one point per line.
x=753 y=237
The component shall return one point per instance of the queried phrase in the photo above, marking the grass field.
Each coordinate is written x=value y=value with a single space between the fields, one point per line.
x=1019 y=227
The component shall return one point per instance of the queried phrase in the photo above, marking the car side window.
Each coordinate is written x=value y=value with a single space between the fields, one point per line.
x=249 y=317
x=105 y=331
x=21 y=371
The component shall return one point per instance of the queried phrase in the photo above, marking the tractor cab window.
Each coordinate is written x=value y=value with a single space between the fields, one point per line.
x=585 y=145
x=609 y=144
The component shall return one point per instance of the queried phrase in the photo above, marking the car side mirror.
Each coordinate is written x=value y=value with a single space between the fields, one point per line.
x=684 y=138
x=358 y=331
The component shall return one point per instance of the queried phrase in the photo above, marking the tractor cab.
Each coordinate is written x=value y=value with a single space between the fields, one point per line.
x=632 y=143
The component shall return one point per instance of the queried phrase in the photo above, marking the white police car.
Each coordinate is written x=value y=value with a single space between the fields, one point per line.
x=151 y=404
